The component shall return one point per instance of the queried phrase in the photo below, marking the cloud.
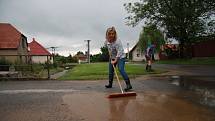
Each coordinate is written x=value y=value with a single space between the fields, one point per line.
x=67 y=23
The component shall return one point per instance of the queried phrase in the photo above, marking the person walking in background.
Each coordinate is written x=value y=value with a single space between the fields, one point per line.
x=117 y=57
x=149 y=55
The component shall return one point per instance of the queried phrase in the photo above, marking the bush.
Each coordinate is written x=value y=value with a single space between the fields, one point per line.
x=4 y=64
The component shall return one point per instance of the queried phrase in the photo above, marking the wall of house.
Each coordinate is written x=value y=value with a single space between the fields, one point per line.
x=23 y=49
x=16 y=55
x=137 y=55
x=10 y=55
x=41 y=59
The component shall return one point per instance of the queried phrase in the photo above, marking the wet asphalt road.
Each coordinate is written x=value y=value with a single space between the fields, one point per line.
x=158 y=99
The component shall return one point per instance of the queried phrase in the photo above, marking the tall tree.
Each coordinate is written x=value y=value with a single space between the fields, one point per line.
x=150 y=35
x=183 y=20
x=80 y=53
x=104 y=55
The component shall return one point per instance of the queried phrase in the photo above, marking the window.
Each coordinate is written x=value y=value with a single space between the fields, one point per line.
x=23 y=43
x=138 y=52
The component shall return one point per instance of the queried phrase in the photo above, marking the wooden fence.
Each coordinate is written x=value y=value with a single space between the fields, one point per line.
x=204 y=49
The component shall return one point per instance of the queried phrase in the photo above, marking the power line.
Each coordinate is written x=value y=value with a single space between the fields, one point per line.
x=53 y=52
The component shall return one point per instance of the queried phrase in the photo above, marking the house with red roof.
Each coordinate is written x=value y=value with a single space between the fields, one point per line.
x=81 y=58
x=38 y=54
x=13 y=44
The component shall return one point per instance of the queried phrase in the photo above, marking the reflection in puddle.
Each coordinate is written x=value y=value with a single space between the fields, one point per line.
x=147 y=106
x=204 y=88
x=175 y=80
x=118 y=109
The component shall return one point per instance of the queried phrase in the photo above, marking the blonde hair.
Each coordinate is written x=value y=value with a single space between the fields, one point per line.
x=113 y=30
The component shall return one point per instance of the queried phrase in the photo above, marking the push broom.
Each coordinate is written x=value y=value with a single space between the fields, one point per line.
x=122 y=94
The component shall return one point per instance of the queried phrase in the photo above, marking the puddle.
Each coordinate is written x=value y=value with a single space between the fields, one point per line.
x=203 y=86
x=148 y=106
x=35 y=91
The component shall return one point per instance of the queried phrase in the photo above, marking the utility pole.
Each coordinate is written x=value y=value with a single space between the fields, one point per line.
x=88 y=50
x=53 y=53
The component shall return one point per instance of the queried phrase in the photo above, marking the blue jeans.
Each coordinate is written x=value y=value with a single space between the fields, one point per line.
x=121 y=67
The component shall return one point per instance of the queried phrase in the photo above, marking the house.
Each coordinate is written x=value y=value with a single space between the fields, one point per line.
x=81 y=58
x=13 y=44
x=169 y=51
x=138 y=55
x=38 y=54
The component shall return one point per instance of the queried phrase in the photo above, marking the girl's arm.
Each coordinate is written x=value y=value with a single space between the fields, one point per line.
x=120 y=50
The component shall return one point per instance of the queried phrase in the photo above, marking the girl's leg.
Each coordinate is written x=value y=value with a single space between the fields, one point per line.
x=121 y=67
x=111 y=74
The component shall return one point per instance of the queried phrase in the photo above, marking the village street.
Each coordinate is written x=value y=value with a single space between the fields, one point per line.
x=159 y=98
x=57 y=57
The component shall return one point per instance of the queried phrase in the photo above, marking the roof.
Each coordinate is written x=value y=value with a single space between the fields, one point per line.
x=37 y=49
x=81 y=57
x=133 y=48
x=9 y=36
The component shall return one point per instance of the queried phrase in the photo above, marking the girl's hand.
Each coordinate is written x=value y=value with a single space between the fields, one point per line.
x=113 y=61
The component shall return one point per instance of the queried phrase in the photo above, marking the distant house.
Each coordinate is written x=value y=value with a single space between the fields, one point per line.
x=169 y=51
x=13 y=44
x=38 y=54
x=138 y=55
x=81 y=58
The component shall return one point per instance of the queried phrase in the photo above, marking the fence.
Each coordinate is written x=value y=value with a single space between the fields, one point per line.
x=22 y=67
x=204 y=49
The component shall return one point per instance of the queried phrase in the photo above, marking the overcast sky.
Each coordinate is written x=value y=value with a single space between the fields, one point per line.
x=67 y=23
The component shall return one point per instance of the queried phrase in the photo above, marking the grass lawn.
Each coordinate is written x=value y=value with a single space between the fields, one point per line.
x=99 y=71
x=194 y=61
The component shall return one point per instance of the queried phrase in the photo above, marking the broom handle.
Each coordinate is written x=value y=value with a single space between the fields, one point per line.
x=117 y=79
x=116 y=73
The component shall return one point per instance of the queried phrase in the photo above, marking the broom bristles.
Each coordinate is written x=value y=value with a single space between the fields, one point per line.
x=126 y=94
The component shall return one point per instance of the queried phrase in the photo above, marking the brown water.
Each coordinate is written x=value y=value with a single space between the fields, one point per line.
x=147 y=106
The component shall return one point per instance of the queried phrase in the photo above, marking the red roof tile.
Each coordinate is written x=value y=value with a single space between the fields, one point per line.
x=9 y=36
x=37 y=49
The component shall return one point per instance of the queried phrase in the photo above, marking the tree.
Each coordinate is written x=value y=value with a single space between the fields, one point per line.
x=59 y=59
x=71 y=59
x=151 y=35
x=96 y=57
x=101 y=57
x=80 y=53
x=105 y=54
x=183 y=20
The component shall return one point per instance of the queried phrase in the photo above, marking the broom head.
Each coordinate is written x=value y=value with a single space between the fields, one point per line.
x=125 y=94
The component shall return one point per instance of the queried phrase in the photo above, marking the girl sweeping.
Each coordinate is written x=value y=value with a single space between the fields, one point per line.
x=117 y=57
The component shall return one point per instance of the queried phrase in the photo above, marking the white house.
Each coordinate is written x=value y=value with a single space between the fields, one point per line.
x=137 y=55
x=38 y=54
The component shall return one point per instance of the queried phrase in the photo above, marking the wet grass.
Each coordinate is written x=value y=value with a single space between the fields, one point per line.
x=99 y=71
x=194 y=61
